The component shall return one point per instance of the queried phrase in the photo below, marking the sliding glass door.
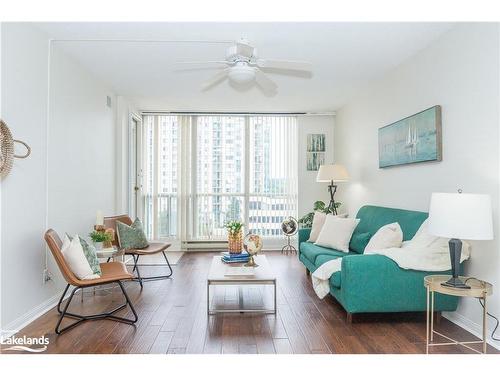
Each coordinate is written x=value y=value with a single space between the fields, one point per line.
x=203 y=171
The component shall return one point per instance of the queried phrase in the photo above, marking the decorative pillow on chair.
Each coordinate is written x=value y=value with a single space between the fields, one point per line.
x=337 y=232
x=388 y=236
x=72 y=252
x=90 y=253
x=131 y=236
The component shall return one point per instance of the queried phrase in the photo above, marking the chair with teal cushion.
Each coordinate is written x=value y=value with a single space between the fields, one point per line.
x=375 y=283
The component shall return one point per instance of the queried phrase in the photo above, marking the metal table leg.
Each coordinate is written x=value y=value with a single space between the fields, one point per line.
x=208 y=297
x=432 y=316
x=484 y=324
x=275 y=298
x=427 y=324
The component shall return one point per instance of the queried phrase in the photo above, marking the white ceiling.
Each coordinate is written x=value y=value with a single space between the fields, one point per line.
x=345 y=56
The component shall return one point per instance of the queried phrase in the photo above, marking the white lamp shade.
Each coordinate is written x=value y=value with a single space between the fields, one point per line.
x=461 y=216
x=332 y=172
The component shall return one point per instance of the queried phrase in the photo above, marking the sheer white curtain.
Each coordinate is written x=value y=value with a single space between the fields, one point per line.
x=202 y=171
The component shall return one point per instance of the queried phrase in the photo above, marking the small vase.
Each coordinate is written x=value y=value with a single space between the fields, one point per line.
x=235 y=242
x=98 y=246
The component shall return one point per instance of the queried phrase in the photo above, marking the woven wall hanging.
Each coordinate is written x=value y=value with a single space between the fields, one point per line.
x=7 y=154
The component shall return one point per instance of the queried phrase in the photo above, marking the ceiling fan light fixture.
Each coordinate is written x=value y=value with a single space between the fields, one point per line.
x=242 y=74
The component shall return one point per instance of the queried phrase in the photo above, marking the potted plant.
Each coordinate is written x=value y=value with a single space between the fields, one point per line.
x=320 y=206
x=99 y=237
x=235 y=236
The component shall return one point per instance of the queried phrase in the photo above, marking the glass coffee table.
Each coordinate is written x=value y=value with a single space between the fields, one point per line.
x=221 y=273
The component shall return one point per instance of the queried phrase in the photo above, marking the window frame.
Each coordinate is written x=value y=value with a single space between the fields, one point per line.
x=187 y=201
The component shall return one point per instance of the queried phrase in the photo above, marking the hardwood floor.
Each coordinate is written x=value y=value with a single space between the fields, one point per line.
x=173 y=319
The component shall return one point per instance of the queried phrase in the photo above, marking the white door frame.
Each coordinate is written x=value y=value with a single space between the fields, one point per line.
x=135 y=165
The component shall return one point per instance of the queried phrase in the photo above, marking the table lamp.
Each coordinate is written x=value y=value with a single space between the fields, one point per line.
x=332 y=173
x=460 y=217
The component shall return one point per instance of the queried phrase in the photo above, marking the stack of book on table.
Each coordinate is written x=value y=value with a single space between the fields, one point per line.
x=235 y=258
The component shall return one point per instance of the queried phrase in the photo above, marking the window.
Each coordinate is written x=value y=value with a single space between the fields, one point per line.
x=273 y=172
x=202 y=171
x=161 y=185
x=219 y=190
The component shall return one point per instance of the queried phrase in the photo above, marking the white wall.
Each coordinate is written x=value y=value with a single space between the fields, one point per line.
x=79 y=163
x=309 y=190
x=24 y=103
x=81 y=147
x=459 y=71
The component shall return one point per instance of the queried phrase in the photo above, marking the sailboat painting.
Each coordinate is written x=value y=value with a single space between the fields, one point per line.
x=414 y=139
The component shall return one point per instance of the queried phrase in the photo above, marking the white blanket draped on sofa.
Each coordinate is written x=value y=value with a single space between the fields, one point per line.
x=423 y=253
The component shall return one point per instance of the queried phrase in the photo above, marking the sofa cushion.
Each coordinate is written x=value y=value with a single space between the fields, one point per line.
x=310 y=251
x=323 y=258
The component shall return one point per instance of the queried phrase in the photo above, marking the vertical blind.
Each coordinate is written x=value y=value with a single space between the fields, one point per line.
x=203 y=171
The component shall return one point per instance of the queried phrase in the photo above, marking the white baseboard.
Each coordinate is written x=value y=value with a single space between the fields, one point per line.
x=471 y=327
x=30 y=316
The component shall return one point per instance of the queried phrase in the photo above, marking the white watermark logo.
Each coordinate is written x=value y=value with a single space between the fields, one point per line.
x=23 y=343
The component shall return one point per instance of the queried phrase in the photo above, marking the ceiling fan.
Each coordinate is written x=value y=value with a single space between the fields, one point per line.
x=242 y=66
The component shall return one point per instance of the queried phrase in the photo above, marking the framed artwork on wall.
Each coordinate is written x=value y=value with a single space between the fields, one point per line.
x=414 y=139
x=314 y=160
x=316 y=143
x=316 y=148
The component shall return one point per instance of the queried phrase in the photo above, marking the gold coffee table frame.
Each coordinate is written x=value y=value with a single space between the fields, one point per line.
x=478 y=289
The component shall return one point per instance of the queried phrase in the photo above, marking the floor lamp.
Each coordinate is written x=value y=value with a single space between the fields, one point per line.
x=332 y=173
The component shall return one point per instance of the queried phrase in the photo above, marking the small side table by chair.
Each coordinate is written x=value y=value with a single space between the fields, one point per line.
x=115 y=254
x=478 y=289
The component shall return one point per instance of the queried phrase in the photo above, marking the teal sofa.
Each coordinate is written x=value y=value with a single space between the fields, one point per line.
x=375 y=283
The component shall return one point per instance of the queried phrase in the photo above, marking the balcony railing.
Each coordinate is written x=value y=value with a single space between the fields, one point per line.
x=160 y=216
x=210 y=213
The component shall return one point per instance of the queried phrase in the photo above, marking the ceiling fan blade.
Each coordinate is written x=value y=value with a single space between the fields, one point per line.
x=264 y=82
x=203 y=62
x=215 y=79
x=284 y=64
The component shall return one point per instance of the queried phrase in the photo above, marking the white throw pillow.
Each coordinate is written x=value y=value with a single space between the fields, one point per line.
x=317 y=224
x=388 y=236
x=337 y=232
x=422 y=238
x=72 y=252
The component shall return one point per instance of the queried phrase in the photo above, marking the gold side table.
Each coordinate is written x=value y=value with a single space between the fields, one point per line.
x=478 y=289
